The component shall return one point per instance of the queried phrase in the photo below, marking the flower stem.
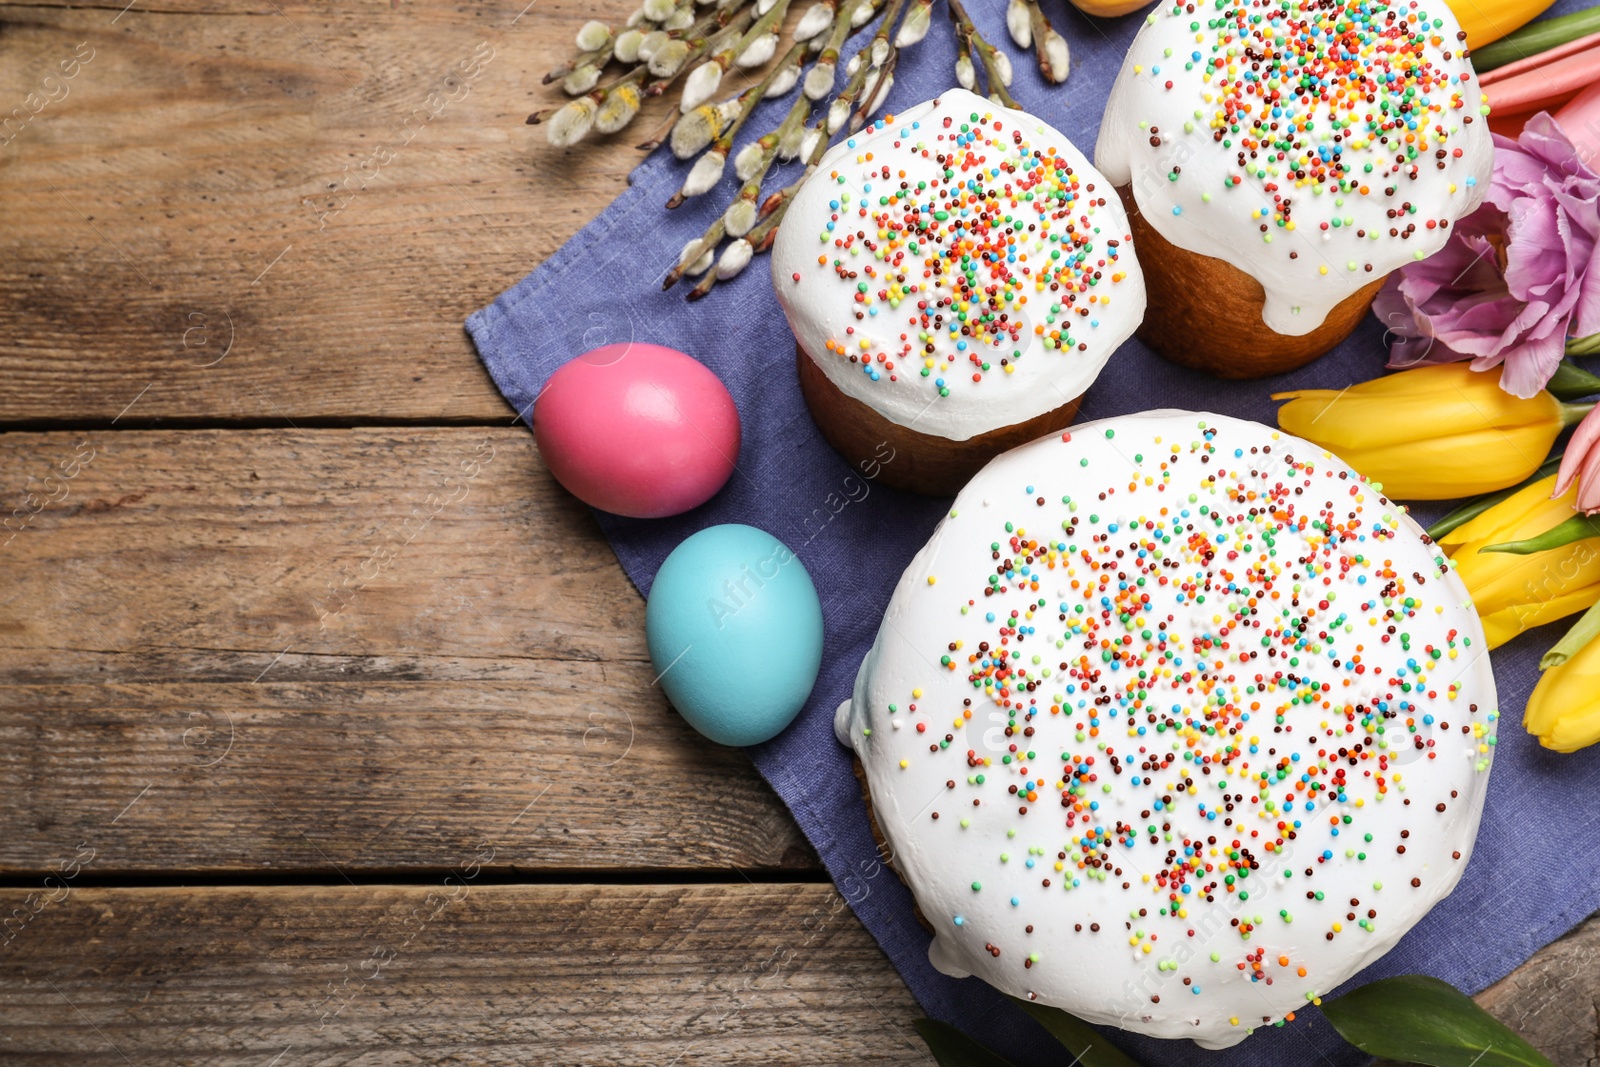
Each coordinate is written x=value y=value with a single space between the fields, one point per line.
x=760 y=93
x=749 y=191
x=1572 y=414
x=1535 y=38
x=736 y=44
x=1473 y=508
x=1583 y=631
x=883 y=55
x=850 y=97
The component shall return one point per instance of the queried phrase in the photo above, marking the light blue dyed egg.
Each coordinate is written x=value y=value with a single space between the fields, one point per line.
x=735 y=633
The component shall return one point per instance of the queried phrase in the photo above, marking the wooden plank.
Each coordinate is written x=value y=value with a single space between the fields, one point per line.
x=1553 y=1000
x=469 y=973
x=581 y=769
x=460 y=974
x=407 y=633
x=445 y=553
x=277 y=212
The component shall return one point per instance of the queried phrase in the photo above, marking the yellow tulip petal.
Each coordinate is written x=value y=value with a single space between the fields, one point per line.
x=1546 y=704
x=1505 y=623
x=1444 y=468
x=1430 y=433
x=1499 y=580
x=1419 y=381
x=1562 y=707
x=1501 y=626
x=1542 y=512
x=1496 y=584
x=1574 y=730
x=1498 y=523
x=1489 y=20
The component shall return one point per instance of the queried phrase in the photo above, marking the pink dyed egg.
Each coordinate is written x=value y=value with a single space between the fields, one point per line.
x=637 y=430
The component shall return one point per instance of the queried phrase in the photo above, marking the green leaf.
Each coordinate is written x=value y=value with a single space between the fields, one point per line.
x=1577 y=528
x=1418 y=1019
x=1534 y=38
x=1571 y=381
x=1586 y=630
x=1583 y=346
x=1473 y=508
x=1076 y=1036
x=952 y=1048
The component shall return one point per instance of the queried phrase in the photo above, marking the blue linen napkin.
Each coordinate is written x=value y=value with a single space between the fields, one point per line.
x=1535 y=872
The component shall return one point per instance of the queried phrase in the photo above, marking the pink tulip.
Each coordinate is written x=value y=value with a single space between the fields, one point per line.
x=1540 y=83
x=1579 y=119
x=1582 y=462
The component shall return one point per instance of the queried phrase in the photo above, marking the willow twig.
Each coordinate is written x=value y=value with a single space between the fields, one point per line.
x=694 y=48
x=708 y=169
x=996 y=65
x=819 y=80
x=704 y=80
x=1049 y=47
x=882 y=55
x=607 y=108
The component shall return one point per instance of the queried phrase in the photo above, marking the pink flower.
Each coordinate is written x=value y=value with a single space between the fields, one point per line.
x=1582 y=462
x=1516 y=277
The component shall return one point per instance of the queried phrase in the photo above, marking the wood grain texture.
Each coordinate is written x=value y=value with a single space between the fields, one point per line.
x=1553 y=1000
x=322 y=191
x=578 y=769
x=407 y=634
x=457 y=974
x=351 y=654
x=469 y=973
x=412 y=553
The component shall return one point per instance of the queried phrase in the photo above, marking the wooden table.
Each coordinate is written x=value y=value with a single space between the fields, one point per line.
x=327 y=733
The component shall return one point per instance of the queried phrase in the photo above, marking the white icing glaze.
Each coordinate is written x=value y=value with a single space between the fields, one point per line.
x=1203 y=718
x=886 y=322
x=1341 y=240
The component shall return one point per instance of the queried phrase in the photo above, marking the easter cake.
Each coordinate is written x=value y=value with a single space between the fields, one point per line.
x=1279 y=158
x=956 y=276
x=1175 y=723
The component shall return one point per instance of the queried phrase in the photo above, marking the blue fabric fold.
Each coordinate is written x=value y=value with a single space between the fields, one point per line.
x=1536 y=869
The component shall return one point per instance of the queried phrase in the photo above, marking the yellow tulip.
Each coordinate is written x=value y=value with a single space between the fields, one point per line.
x=1490 y=20
x=1564 y=710
x=1515 y=593
x=1432 y=433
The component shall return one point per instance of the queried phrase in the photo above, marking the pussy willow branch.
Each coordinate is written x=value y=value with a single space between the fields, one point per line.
x=759 y=236
x=718 y=152
x=750 y=192
x=698 y=47
x=1050 y=48
x=741 y=214
x=882 y=55
x=701 y=40
x=705 y=79
x=974 y=41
